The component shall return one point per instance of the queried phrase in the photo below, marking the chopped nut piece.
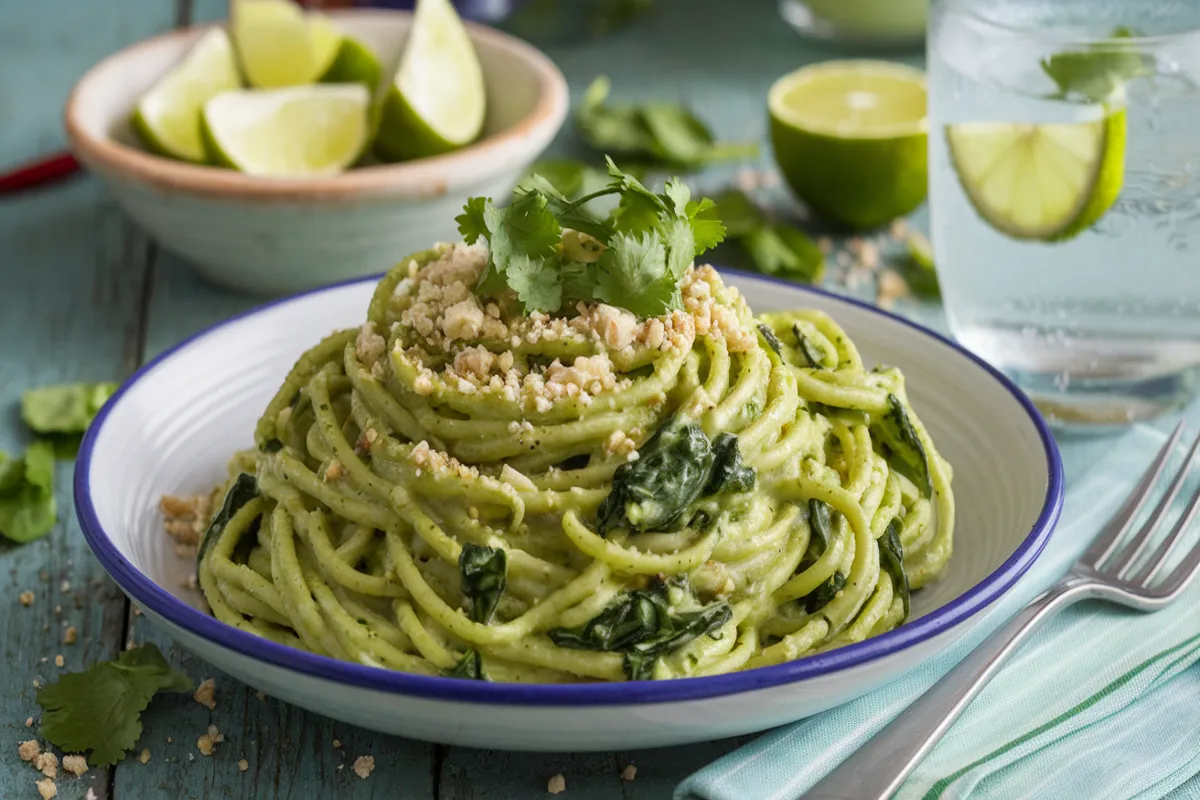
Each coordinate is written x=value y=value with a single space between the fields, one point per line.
x=557 y=784
x=629 y=773
x=47 y=789
x=76 y=765
x=243 y=765
x=144 y=757
x=70 y=635
x=26 y=598
x=65 y=587
x=29 y=722
x=47 y=763
x=336 y=744
x=29 y=750
x=58 y=660
x=363 y=766
x=206 y=694
x=208 y=742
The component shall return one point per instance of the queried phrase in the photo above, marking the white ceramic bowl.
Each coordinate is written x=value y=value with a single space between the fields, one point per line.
x=172 y=427
x=272 y=236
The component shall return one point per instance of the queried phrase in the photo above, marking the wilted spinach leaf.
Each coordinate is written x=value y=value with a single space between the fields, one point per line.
x=244 y=489
x=897 y=432
x=820 y=597
x=891 y=561
x=771 y=339
x=484 y=575
x=810 y=353
x=729 y=472
x=470 y=666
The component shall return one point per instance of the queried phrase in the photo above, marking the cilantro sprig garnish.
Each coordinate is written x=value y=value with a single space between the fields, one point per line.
x=100 y=709
x=552 y=252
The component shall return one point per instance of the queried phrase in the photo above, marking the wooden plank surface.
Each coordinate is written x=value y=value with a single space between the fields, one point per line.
x=72 y=272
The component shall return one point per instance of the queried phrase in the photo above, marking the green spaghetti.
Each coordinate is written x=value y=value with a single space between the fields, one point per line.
x=466 y=487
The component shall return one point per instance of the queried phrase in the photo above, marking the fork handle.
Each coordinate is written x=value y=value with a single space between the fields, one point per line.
x=877 y=769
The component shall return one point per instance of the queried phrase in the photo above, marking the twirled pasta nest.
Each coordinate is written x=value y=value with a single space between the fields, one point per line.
x=456 y=488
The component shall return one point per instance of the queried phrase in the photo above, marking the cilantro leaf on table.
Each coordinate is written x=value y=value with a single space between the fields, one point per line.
x=27 y=507
x=100 y=709
x=666 y=134
x=1100 y=71
x=64 y=408
x=773 y=248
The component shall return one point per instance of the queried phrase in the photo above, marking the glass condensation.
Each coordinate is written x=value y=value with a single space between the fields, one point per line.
x=1102 y=327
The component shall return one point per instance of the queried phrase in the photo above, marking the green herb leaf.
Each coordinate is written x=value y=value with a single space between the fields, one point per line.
x=243 y=490
x=708 y=230
x=782 y=250
x=1099 y=72
x=821 y=596
x=813 y=357
x=536 y=283
x=896 y=431
x=65 y=408
x=891 y=560
x=639 y=624
x=633 y=275
x=820 y=530
x=484 y=573
x=771 y=339
x=666 y=134
x=28 y=510
x=100 y=709
x=470 y=666
x=676 y=466
x=472 y=223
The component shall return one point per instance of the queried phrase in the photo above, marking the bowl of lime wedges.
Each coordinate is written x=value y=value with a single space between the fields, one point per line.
x=286 y=149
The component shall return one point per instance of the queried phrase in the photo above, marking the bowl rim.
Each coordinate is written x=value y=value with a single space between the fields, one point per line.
x=142 y=589
x=421 y=177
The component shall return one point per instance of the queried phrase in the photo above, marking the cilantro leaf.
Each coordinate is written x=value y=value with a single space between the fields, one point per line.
x=681 y=246
x=28 y=510
x=708 y=229
x=1100 y=71
x=657 y=133
x=785 y=251
x=100 y=709
x=578 y=282
x=535 y=282
x=65 y=408
x=472 y=223
x=633 y=275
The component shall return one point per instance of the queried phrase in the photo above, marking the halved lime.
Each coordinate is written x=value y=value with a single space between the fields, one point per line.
x=353 y=63
x=167 y=118
x=1045 y=182
x=299 y=131
x=850 y=138
x=437 y=101
x=280 y=45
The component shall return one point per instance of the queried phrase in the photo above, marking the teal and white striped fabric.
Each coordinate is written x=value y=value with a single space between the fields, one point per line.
x=1102 y=704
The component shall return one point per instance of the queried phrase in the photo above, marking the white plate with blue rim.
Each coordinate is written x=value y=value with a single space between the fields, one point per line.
x=171 y=428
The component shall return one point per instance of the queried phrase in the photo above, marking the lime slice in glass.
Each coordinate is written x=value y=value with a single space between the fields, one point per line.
x=167 y=118
x=1045 y=182
x=299 y=131
x=279 y=45
x=436 y=102
x=850 y=138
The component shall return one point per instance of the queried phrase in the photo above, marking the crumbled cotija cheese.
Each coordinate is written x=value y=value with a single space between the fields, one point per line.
x=185 y=518
x=363 y=766
x=206 y=693
x=208 y=742
x=29 y=750
x=557 y=784
x=369 y=346
x=74 y=764
x=47 y=789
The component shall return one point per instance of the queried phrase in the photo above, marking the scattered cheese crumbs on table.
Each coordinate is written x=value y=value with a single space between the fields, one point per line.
x=58 y=660
x=29 y=722
x=47 y=764
x=26 y=598
x=243 y=765
x=47 y=789
x=65 y=587
x=209 y=741
x=206 y=694
x=29 y=750
x=629 y=773
x=336 y=744
x=363 y=766
x=76 y=765
x=71 y=635
x=557 y=784
x=145 y=755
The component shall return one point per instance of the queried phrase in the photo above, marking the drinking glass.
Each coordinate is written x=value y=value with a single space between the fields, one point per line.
x=1064 y=158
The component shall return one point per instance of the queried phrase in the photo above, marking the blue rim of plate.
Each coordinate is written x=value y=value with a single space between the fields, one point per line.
x=157 y=600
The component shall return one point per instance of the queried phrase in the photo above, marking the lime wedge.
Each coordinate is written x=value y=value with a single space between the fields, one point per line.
x=850 y=138
x=279 y=45
x=1045 y=182
x=353 y=63
x=167 y=118
x=436 y=102
x=300 y=131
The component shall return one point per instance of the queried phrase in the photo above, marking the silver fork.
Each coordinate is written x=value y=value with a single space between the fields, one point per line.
x=878 y=768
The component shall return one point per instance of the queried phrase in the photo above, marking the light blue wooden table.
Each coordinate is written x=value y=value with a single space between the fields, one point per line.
x=85 y=296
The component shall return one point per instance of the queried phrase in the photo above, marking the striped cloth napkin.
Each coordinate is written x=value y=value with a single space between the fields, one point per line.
x=1101 y=704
